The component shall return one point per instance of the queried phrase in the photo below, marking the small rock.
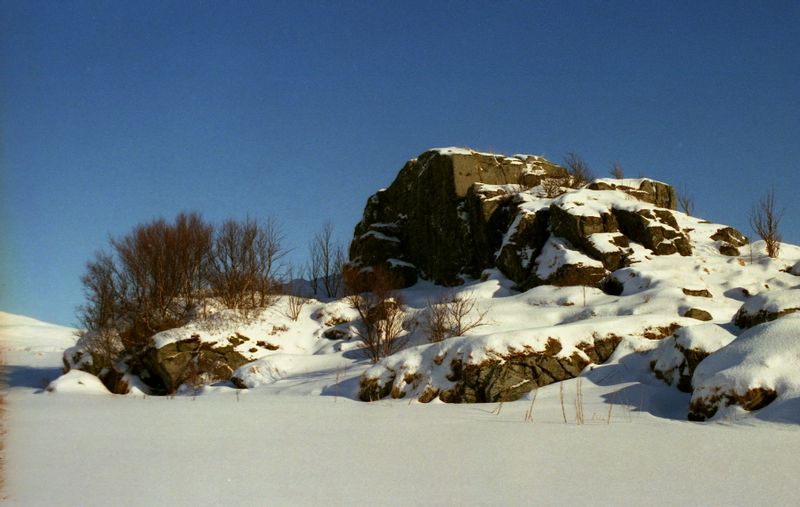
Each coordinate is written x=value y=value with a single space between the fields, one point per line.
x=697 y=293
x=697 y=313
x=729 y=250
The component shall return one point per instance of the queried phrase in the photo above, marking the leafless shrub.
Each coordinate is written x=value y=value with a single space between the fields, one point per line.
x=381 y=311
x=616 y=171
x=295 y=300
x=553 y=187
x=243 y=271
x=452 y=316
x=326 y=261
x=764 y=219
x=685 y=201
x=578 y=169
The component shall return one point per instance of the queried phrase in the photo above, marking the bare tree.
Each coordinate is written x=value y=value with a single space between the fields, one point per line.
x=764 y=220
x=244 y=266
x=616 y=171
x=451 y=316
x=326 y=260
x=381 y=311
x=159 y=275
x=578 y=169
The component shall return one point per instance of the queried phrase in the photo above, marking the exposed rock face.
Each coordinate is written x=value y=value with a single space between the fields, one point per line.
x=192 y=361
x=653 y=192
x=453 y=213
x=444 y=214
x=511 y=377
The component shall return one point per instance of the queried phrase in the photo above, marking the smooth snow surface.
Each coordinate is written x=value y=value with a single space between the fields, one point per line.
x=269 y=446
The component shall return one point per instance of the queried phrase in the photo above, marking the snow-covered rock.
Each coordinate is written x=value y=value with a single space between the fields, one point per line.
x=766 y=306
x=760 y=367
x=676 y=358
x=76 y=381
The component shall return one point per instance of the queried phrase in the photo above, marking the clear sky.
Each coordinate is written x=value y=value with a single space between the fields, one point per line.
x=114 y=113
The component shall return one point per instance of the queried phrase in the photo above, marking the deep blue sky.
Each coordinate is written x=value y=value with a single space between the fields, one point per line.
x=114 y=113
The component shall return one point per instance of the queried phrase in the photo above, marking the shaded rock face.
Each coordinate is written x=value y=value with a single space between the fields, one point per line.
x=452 y=213
x=194 y=362
x=679 y=373
x=653 y=192
x=755 y=398
x=519 y=374
x=511 y=377
x=437 y=219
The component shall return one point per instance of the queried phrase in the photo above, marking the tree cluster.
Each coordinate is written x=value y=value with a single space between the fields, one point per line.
x=157 y=276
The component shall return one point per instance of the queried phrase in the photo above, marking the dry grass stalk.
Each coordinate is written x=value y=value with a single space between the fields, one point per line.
x=529 y=412
x=579 y=416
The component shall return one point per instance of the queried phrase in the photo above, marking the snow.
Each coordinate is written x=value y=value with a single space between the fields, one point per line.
x=76 y=381
x=557 y=253
x=298 y=436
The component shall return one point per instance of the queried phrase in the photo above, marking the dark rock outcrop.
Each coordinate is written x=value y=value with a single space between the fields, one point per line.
x=441 y=216
x=452 y=213
x=192 y=361
x=510 y=377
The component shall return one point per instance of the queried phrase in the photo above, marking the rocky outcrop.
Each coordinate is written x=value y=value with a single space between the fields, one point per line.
x=444 y=215
x=452 y=213
x=194 y=362
x=646 y=190
x=468 y=369
x=509 y=377
x=729 y=240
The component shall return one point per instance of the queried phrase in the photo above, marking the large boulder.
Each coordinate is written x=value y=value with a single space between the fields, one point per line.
x=195 y=362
